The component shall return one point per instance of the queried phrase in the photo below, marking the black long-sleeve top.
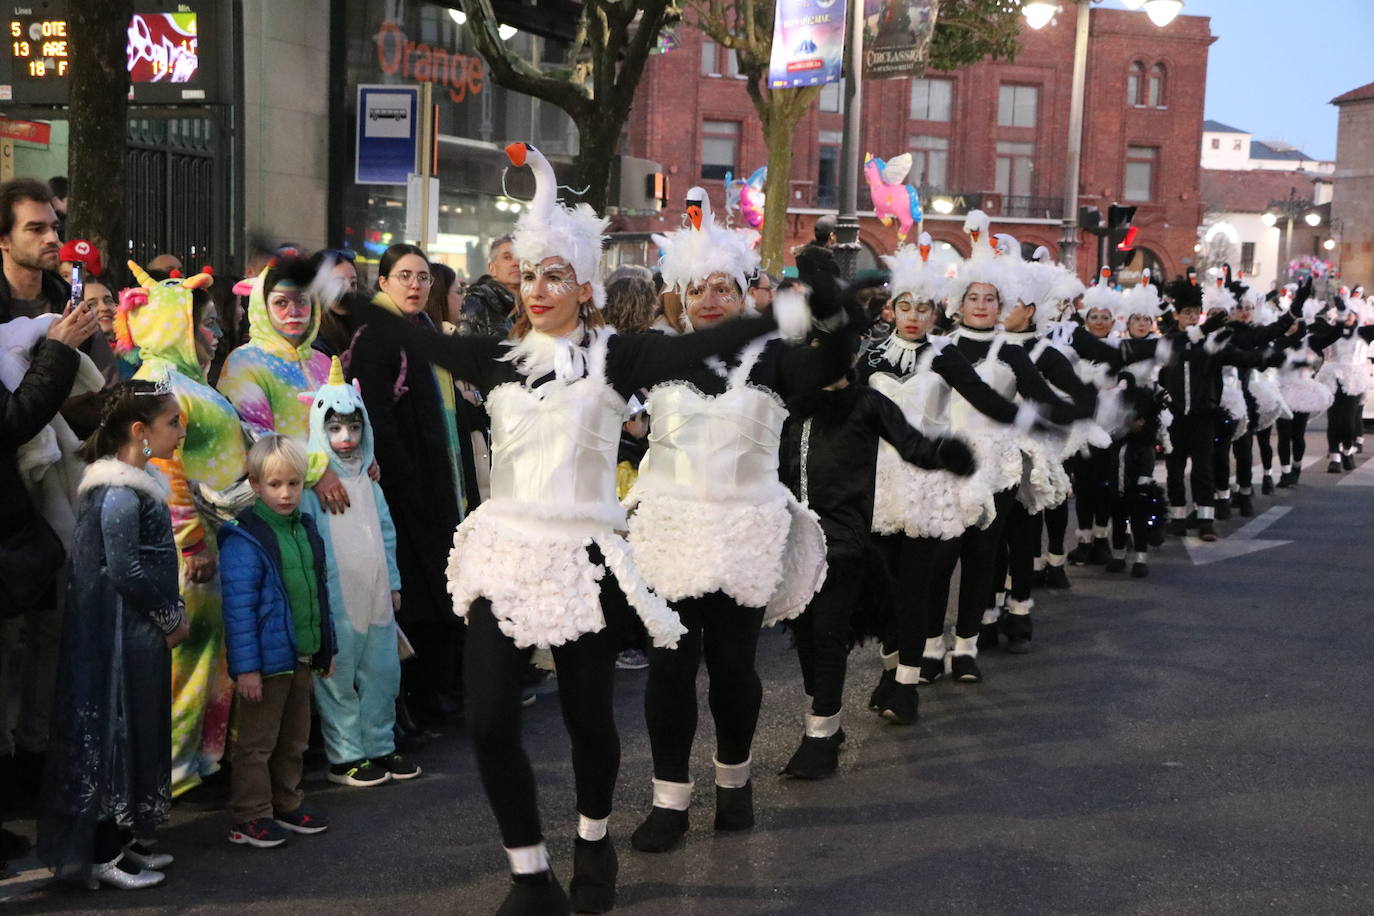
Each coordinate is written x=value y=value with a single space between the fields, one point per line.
x=952 y=366
x=829 y=453
x=1029 y=383
x=1056 y=369
x=1192 y=375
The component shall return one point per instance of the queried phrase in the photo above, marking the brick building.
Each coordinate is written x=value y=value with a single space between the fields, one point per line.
x=993 y=135
x=1352 y=201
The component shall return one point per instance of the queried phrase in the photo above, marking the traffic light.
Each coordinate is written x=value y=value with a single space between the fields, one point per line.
x=1120 y=234
x=1090 y=220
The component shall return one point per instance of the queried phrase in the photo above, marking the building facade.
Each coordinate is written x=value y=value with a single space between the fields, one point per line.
x=1352 y=201
x=992 y=136
x=1233 y=149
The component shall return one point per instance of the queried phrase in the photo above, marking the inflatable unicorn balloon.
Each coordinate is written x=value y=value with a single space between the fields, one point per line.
x=746 y=195
x=891 y=198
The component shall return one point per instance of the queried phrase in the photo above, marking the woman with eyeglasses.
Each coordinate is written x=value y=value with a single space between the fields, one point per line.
x=426 y=477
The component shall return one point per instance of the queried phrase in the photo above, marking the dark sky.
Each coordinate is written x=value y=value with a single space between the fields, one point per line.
x=1276 y=64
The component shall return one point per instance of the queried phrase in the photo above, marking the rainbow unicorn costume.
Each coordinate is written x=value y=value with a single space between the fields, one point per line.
x=155 y=320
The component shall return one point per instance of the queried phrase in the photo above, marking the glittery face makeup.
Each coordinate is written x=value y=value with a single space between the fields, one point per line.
x=551 y=295
x=912 y=319
x=712 y=300
x=558 y=276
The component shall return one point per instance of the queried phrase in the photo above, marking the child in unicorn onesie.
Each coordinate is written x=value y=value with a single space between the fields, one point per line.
x=156 y=323
x=357 y=702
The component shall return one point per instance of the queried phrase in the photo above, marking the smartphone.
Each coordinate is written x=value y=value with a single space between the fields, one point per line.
x=77 y=284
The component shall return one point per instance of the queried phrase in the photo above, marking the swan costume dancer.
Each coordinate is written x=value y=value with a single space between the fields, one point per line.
x=714 y=530
x=541 y=562
x=921 y=515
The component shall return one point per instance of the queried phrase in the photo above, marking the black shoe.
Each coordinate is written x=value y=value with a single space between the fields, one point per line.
x=1193 y=520
x=1286 y=480
x=1207 y=531
x=1056 y=577
x=964 y=669
x=661 y=831
x=1155 y=535
x=1017 y=628
x=1116 y=564
x=735 y=808
x=535 y=895
x=1245 y=505
x=1222 y=511
x=879 y=695
x=1297 y=475
x=1334 y=467
x=1080 y=555
x=1100 y=552
x=1266 y=485
x=987 y=636
x=1038 y=577
x=902 y=706
x=932 y=669
x=815 y=758
x=1178 y=527
x=1348 y=462
x=592 y=888
x=1139 y=570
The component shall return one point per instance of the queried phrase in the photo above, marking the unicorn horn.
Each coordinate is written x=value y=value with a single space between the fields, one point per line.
x=336 y=376
x=141 y=275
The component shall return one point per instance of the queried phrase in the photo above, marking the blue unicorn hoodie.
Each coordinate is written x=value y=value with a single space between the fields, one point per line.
x=357 y=703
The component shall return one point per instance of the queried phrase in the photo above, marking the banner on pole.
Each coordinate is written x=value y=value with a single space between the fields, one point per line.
x=808 y=43
x=897 y=37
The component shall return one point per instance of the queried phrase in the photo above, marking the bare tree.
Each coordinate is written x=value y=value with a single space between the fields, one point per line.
x=99 y=124
x=597 y=85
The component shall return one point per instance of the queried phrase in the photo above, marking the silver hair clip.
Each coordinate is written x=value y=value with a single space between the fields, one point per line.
x=161 y=388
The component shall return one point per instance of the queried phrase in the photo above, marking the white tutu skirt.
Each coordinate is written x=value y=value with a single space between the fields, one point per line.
x=1233 y=402
x=1044 y=481
x=1269 y=402
x=543 y=588
x=998 y=452
x=767 y=553
x=1352 y=380
x=1304 y=394
x=919 y=503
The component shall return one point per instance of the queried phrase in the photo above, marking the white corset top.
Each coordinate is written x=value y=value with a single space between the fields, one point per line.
x=924 y=396
x=715 y=445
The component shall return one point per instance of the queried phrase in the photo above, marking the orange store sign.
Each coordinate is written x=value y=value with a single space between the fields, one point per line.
x=461 y=74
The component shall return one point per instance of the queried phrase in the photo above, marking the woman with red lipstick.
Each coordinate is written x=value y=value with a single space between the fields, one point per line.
x=541 y=563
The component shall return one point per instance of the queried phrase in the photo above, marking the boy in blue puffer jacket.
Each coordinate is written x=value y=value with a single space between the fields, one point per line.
x=277 y=628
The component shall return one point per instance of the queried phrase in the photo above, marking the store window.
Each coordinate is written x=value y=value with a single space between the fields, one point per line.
x=929 y=162
x=1140 y=173
x=1134 y=78
x=1156 y=87
x=1015 y=169
x=931 y=99
x=1016 y=106
x=710 y=58
x=1216 y=143
x=719 y=148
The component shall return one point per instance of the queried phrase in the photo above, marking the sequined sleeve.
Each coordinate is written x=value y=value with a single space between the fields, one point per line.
x=119 y=528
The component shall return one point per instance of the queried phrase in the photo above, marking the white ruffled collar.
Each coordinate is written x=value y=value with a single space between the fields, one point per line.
x=901 y=352
x=969 y=333
x=539 y=354
x=111 y=472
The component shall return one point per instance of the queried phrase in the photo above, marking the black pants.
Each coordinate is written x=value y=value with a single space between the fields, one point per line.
x=1266 y=449
x=1343 y=421
x=1137 y=462
x=821 y=634
x=1193 y=437
x=1020 y=547
x=914 y=563
x=1056 y=525
x=727 y=635
x=1093 y=487
x=493 y=667
x=978 y=581
x=1292 y=440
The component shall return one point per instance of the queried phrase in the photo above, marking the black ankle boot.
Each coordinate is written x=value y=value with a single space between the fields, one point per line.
x=535 y=895
x=987 y=636
x=1116 y=564
x=592 y=889
x=879 y=695
x=1245 y=505
x=1267 y=485
x=1056 y=577
x=661 y=831
x=735 y=807
x=1285 y=480
x=903 y=705
x=1099 y=553
x=1222 y=510
x=1178 y=527
x=815 y=758
x=1017 y=628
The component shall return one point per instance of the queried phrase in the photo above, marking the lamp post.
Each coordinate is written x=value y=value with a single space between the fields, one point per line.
x=847 y=220
x=1289 y=209
x=1039 y=14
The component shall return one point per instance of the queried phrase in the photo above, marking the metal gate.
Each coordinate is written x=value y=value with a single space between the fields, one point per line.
x=170 y=173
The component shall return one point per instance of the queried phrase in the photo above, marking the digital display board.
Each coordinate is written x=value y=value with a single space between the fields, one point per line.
x=174 y=52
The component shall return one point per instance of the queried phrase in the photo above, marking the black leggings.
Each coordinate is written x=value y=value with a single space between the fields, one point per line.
x=1094 y=487
x=914 y=562
x=821 y=634
x=493 y=667
x=1016 y=556
x=1343 y=421
x=1137 y=462
x=1292 y=440
x=1056 y=525
x=727 y=635
x=978 y=583
x=1194 y=437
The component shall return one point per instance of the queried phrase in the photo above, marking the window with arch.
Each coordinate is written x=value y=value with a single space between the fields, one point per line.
x=1155 y=87
x=1135 y=79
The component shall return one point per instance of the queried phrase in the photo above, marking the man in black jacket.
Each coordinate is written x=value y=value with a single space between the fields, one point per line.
x=489 y=306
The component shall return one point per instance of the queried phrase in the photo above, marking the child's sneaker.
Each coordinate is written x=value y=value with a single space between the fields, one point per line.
x=302 y=820
x=361 y=773
x=396 y=766
x=261 y=832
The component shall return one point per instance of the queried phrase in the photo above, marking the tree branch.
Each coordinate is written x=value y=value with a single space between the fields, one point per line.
x=512 y=71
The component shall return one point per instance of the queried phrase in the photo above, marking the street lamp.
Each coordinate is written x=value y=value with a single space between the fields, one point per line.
x=1038 y=14
x=1313 y=219
x=1329 y=244
x=942 y=205
x=1289 y=209
x=1269 y=220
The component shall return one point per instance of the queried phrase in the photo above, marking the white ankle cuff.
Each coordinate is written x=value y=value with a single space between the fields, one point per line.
x=732 y=775
x=1099 y=532
x=935 y=647
x=966 y=645
x=1138 y=557
x=591 y=829
x=1206 y=513
x=528 y=860
x=1020 y=607
x=908 y=674
x=1038 y=563
x=1055 y=559
x=822 y=726
x=889 y=661
x=990 y=616
x=1084 y=535
x=675 y=796
x=1176 y=512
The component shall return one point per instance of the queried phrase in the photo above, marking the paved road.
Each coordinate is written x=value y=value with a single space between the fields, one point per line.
x=1196 y=743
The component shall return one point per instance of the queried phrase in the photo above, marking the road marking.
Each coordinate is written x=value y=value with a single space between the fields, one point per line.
x=1241 y=542
x=1362 y=476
